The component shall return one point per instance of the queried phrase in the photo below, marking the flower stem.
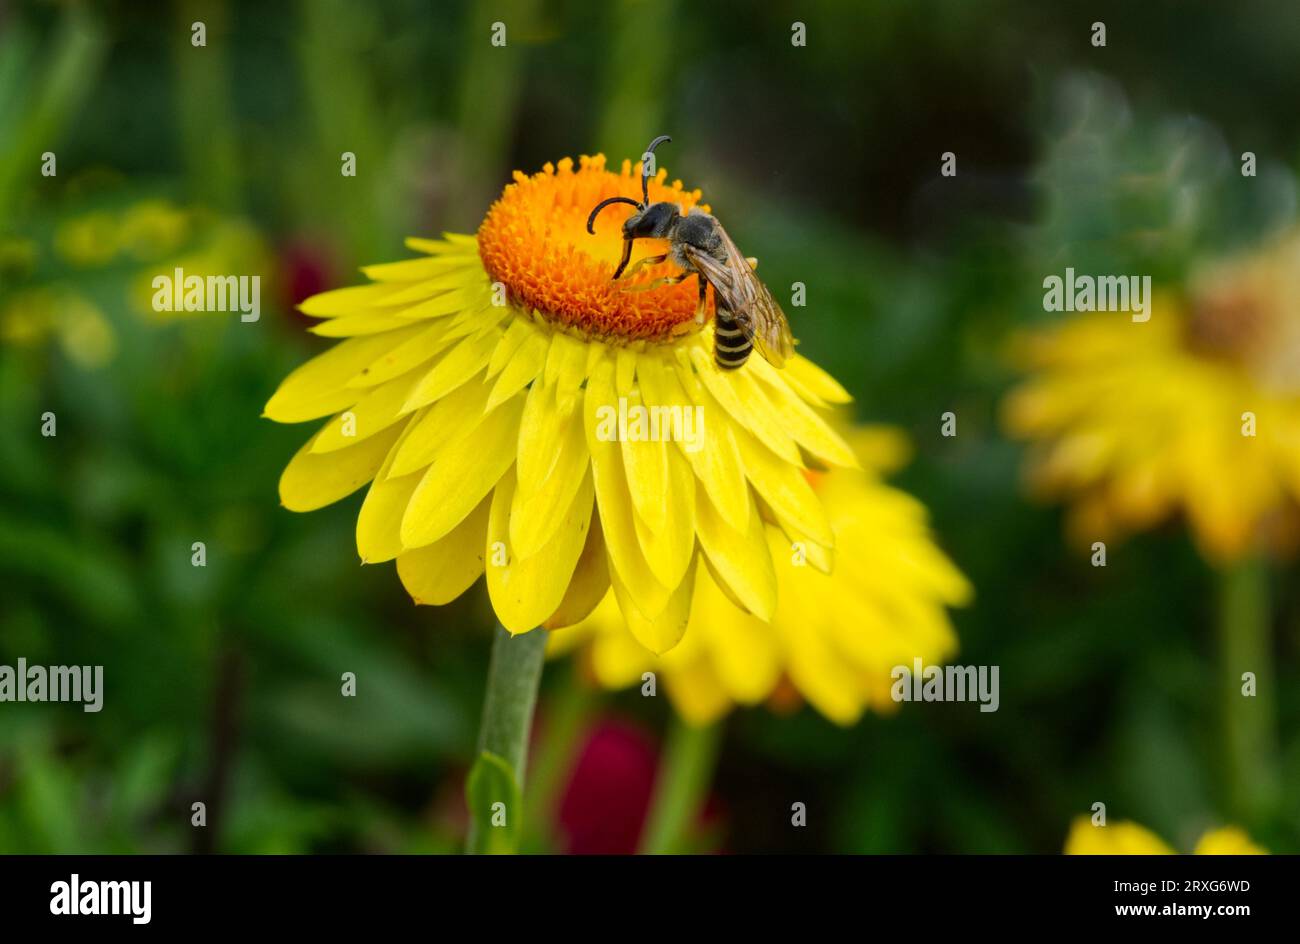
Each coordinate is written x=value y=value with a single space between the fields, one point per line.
x=1244 y=640
x=685 y=771
x=514 y=672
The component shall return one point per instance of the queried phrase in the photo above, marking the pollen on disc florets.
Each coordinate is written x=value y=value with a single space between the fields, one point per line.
x=534 y=240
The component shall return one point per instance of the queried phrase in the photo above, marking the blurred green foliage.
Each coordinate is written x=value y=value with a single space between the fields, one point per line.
x=223 y=682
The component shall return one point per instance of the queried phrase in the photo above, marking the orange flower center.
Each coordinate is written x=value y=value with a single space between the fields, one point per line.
x=534 y=240
x=1246 y=311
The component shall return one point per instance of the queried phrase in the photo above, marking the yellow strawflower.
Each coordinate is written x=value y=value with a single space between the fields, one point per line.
x=1128 y=838
x=1195 y=411
x=470 y=391
x=834 y=636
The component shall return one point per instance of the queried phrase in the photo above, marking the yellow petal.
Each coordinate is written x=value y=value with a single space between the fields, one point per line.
x=416 y=270
x=659 y=383
x=617 y=659
x=312 y=481
x=595 y=354
x=766 y=373
x=412 y=294
x=819 y=669
x=462 y=474
x=816 y=380
x=665 y=630
x=718 y=464
x=646 y=462
x=351 y=326
x=440 y=303
x=396 y=361
x=741 y=559
x=800 y=549
x=440 y=572
x=377 y=410
x=762 y=418
x=625 y=360
x=668 y=551
x=730 y=389
x=689 y=421
x=589 y=584
x=517 y=332
x=527 y=590
x=540 y=431
x=784 y=487
x=721 y=584
x=521 y=370
x=455 y=415
x=457 y=366
x=696 y=693
x=379 y=523
x=347 y=301
x=616 y=516
x=453 y=244
x=484 y=318
x=804 y=426
x=566 y=369
x=744 y=651
x=538 y=508
x=319 y=387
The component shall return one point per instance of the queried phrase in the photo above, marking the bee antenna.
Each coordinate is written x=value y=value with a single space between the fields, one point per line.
x=645 y=165
x=591 y=220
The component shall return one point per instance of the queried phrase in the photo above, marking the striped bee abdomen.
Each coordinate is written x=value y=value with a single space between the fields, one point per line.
x=730 y=346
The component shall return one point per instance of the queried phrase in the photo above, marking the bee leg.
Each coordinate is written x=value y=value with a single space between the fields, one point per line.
x=622 y=263
x=704 y=297
x=640 y=264
x=753 y=263
x=666 y=280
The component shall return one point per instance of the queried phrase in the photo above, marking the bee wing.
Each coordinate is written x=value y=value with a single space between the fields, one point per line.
x=742 y=293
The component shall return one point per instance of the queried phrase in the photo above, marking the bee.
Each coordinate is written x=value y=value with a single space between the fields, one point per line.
x=746 y=314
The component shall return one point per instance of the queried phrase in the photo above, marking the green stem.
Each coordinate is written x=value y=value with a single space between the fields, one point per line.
x=685 y=771
x=514 y=672
x=1244 y=640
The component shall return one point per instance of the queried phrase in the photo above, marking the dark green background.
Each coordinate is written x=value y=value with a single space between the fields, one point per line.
x=222 y=683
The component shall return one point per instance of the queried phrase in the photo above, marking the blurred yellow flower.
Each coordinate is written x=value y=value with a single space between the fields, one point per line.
x=220 y=247
x=59 y=312
x=89 y=239
x=470 y=392
x=1196 y=411
x=1228 y=840
x=1127 y=838
x=834 y=637
x=153 y=228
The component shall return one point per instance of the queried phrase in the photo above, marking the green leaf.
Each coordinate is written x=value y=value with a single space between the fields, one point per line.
x=494 y=829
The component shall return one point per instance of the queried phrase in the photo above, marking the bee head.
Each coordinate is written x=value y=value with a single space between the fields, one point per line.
x=649 y=220
x=653 y=222
x=648 y=216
